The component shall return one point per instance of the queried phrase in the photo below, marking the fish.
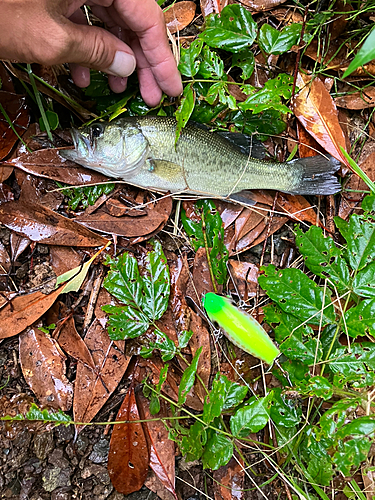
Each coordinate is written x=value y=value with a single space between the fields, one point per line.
x=142 y=151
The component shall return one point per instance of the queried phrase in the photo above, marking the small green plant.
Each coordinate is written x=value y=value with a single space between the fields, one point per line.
x=85 y=195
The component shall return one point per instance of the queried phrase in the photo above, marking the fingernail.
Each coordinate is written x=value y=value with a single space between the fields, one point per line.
x=123 y=64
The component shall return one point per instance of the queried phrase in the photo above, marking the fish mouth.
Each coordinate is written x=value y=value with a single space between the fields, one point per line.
x=82 y=147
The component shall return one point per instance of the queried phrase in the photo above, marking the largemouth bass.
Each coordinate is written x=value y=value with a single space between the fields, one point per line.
x=142 y=151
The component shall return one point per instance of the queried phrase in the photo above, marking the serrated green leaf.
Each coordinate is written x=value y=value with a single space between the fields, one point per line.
x=185 y=109
x=287 y=324
x=364 y=282
x=235 y=395
x=320 y=387
x=154 y=404
x=351 y=454
x=214 y=402
x=270 y=95
x=296 y=294
x=125 y=322
x=273 y=41
x=189 y=62
x=368 y=203
x=156 y=284
x=211 y=66
x=285 y=411
x=188 y=378
x=252 y=417
x=320 y=469
x=268 y=122
x=244 y=60
x=233 y=31
x=218 y=451
x=360 y=320
x=350 y=364
x=163 y=343
x=323 y=257
x=359 y=234
x=35 y=413
x=192 y=444
x=307 y=352
x=123 y=280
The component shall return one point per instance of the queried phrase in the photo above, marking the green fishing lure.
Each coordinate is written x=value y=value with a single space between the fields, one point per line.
x=240 y=328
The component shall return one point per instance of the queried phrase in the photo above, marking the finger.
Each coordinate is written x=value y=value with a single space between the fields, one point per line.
x=147 y=21
x=148 y=86
x=117 y=84
x=98 y=49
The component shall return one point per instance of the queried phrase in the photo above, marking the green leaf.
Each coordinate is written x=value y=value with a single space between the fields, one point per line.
x=365 y=54
x=285 y=411
x=306 y=352
x=364 y=282
x=244 y=60
x=268 y=122
x=192 y=444
x=351 y=454
x=320 y=387
x=368 y=203
x=156 y=284
x=233 y=31
x=223 y=395
x=270 y=95
x=252 y=417
x=123 y=280
x=360 y=320
x=211 y=66
x=217 y=452
x=184 y=338
x=189 y=62
x=98 y=85
x=185 y=109
x=53 y=120
x=359 y=234
x=296 y=294
x=36 y=413
x=273 y=41
x=288 y=324
x=323 y=257
x=154 y=404
x=125 y=322
x=320 y=469
x=188 y=377
x=163 y=343
x=235 y=395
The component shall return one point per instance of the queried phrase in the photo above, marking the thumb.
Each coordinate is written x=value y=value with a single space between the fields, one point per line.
x=98 y=49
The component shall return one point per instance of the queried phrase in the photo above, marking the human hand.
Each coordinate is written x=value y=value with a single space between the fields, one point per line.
x=53 y=32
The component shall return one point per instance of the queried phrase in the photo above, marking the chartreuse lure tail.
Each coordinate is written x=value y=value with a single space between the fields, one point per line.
x=240 y=328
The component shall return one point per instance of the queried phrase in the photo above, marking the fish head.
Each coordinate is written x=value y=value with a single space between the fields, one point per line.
x=114 y=149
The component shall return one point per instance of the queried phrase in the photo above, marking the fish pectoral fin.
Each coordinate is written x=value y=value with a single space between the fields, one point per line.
x=244 y=197
x=168 y=170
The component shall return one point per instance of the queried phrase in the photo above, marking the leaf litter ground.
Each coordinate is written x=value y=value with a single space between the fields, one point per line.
x=323 y=325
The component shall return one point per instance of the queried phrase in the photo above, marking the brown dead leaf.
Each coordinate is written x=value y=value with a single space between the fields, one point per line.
x=157 y=215
x=43 y=225
x=72 y=343
x=334 y=55
x=18 y=245
x=5 y=261
x=368 y=476
x=261 y=5
x=162 y=449
x=17 y=111
x=245 y=276
x=259 y=233
x=229 y=480
x=6 y=193
x=201 y=338
x=358 y=100
x=154 y=484
x=128 y=457
x=37 y=190
x=63 y=259
x=296 y=207
x=179 y=15
x=307 y=145
x=93 y=388
x=43 y=366
x=212 y=6
x=179 y=270
x=23 y=311
x=316 y=110
x=49 y=164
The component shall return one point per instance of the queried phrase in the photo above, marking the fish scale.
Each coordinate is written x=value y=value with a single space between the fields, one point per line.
x=142 y=151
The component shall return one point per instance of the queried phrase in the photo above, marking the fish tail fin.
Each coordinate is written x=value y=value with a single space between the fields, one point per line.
x=316 y=175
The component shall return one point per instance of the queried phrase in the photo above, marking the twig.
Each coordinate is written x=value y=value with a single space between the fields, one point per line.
x=92 y=300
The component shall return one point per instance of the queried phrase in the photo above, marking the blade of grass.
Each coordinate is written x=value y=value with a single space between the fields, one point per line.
x=39 y=102
x=2 y=110
x=359 y=171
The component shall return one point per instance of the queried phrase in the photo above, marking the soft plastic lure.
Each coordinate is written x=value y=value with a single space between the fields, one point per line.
x=240 y=328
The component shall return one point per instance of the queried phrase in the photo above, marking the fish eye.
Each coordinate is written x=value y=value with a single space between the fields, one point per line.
x=96 y=130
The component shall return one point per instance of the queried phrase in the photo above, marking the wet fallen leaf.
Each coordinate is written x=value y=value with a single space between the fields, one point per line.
x=368 y=476
x=17 y=111
x=296 y=207
x=201 y=283
x=43 y=366
x=128 y=457
x=212 y=6
x=62 y=259
x=43 y=225
x=245 y=276
x=179 y=15
x=37 y=190
x=49 y=164
x=23 y=311
x=201 y=338
x=340 y=20
x=307 y=145
x=154 y=484
x=162 y=449
x=5 y=261
x=358 y=100
x=259 y=233
x=72 y=343
x=334 y=55
x=92 y=389
x=316 y=110
x=229 y=480
x=18 y=245
x=262 y=5
x=6 y=193
x=179 y=271
x=126 y=225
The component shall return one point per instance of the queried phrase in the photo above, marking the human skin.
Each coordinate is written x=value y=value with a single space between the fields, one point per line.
x=55 y=32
